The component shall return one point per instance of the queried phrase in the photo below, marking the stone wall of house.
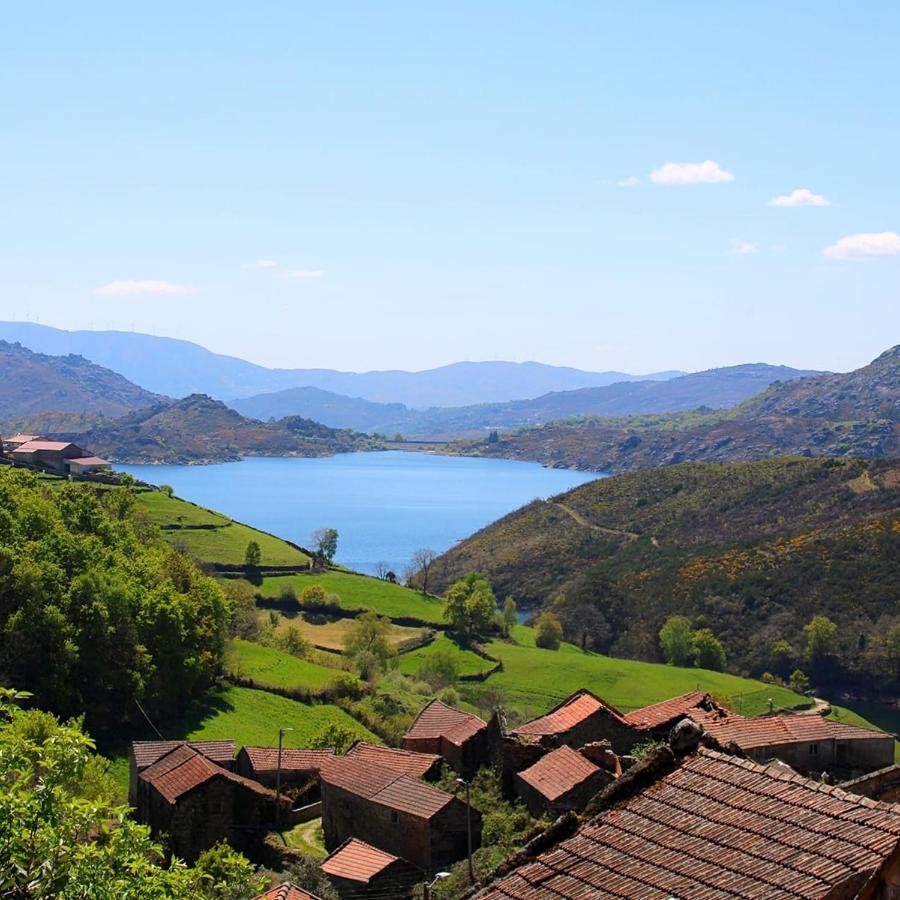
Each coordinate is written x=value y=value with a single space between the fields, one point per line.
x=399 y=880
x=574 y=800
x=881 y=785
x=854 y=757
x=600 y=727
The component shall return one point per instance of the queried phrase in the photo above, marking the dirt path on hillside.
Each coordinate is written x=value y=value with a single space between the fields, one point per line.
x=597 y=529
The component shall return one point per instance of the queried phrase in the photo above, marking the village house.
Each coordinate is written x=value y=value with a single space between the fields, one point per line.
x=193 y=804
x=300 y=768
x=396 y=813
x=287 y=891
x=143 y=754
x=807 y=743
x=406 y=762
x=882 y=785
x=459 y=737
x=658 y=719
x=360 y=871
x=580 y=719
x=562 y=780
x=84 y=465
x=52 y=456
x=688 y=821
x=16 y=441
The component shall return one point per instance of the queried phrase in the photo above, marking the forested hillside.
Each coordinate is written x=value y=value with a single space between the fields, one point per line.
x=753 y=551
x=853 y=414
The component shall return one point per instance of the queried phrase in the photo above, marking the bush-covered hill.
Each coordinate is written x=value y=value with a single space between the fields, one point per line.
x=853 y=414
x=753 y=551
x=200 y=429
x=33 y=383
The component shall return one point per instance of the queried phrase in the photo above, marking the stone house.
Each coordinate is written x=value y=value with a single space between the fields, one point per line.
x=193 y=804
x=657 y=720
x=16 y=441
x=359 y=871
x=459 y=737
x=50 y=455
x=580 y=719
x=83 y=465
x=882 y=785
x=807 y=743
x=143 y=754
x=687 y=821
x=394 y=812
x=561 y=781
x=300 y=768
x=406 y=762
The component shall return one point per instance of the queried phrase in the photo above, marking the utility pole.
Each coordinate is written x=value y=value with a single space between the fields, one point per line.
x=467 y=786
x=440 y=876
x=281 y=734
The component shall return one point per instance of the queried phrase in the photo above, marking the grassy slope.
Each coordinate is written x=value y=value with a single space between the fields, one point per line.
x=469 y=662
x=226 y=543
x=333 y=635
x=362 y=591
x=272 y=667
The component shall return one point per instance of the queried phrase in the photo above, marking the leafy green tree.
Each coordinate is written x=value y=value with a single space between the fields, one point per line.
x=708 y=650
x=798 y=681
x=677 y=641
x=293 y=642
x=334 y=737
x=470 y=606
x=252 y=555
x=821 y=639
x=62 y=836
x=510 y=614
x=312 y=596
x=440 y=667
x=549 y=632
x=781 y=656
x=369 y=633
x=325 y=541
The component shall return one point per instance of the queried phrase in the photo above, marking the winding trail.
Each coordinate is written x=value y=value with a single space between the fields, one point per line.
x=597 y=529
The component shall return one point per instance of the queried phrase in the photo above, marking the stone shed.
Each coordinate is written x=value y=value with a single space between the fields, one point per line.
x=459 y=737
x=360 y=871
x=143 y=754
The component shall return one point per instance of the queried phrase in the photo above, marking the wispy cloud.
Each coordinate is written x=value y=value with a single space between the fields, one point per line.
x=261 y=264
x=800 y=197
x=865 y=246
x=630 y=181
x=742 y=248
x=706 y=172
x=306 y=273
x=149 y=286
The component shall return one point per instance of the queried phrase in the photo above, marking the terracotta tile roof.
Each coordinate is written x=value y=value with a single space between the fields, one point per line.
x=385 y=787
x=438 y=720
x=183 y=769
x=356 y=860
x=558 y=772
x=293 y=759
x=31 y=446
x=658 y=714
x=22 y=438
x=148 y=752
x=89 y=461
x=717 y=827
x=751 y=732
x=287 y=891
x=571 y=712
x=407 y=762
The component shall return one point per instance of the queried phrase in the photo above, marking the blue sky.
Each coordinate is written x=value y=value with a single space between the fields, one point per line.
x=401 y=185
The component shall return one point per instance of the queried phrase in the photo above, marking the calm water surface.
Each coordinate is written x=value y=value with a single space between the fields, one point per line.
x=384 y=505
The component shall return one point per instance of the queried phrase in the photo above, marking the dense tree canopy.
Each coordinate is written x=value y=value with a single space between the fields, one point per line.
x=471 y=606
x=97 y=614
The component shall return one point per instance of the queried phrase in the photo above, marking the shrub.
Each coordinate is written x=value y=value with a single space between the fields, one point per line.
x=676 y=640
x=708 y=650
x=549 y=632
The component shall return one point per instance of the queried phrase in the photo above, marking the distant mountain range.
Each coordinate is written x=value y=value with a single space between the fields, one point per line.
x=34 y=383
x=176 y=368
x=714 y=389
x=853 y=414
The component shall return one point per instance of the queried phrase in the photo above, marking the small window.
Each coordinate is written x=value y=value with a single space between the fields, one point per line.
x=395 y=817
x=813 y=749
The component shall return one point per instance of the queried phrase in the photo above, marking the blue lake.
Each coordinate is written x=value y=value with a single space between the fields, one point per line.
x=385 y=506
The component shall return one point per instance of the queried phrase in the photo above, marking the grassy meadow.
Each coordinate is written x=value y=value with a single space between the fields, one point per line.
x=272 y=667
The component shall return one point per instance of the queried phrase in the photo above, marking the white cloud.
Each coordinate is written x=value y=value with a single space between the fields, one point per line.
x=150 y=286
x=706 y=172
x=262 y=264
x=307 y=273
x=863 y=246
x=742 y=248
x=630 y=181
x=800 y=197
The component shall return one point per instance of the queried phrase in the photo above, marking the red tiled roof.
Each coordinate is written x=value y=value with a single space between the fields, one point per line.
x=356 y=860
x=750 y=732
x=287 y=891
x=558 y=772
x=658 y=714
x=89 y=461
x=407 y=762
x=148 y=752
x=385 y=787
x=293 y=759
x=22 y=438
x=571 y=712
x=31 y=446
x=438 y=720
x=717 y=827
x=184 y=769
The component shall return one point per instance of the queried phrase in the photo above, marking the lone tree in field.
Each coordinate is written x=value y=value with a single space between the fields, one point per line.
x=252 y=555
x=677 y=641
x=325 y=541
x=549 y=632
x=510 y=614
x=471 y=606
x=422 y=559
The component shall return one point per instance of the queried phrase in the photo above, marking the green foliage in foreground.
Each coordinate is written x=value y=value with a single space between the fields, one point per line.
x=61 y=836
x=362 y=592
x=96 y=613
